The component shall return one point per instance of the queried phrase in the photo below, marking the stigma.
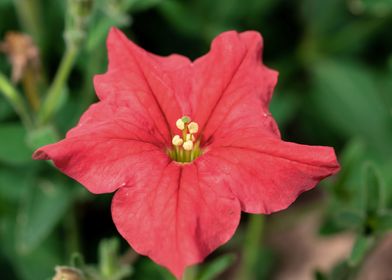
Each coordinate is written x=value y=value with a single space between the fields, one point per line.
x=186 y=146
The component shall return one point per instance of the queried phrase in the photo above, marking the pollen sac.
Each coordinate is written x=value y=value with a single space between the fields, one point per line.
x=180 y=124
x=188 y=145
x=193 y=127
x=177 y=141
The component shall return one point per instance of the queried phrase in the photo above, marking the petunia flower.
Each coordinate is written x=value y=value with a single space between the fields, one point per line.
x=186 y=146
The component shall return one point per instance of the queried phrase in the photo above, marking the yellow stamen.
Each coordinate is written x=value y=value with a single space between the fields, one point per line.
x=193 y=127
x=189 y=137
x=180 y=124
x=177 y=141
x=188 y=145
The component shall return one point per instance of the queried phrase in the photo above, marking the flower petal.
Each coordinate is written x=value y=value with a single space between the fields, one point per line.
x=138 y=77
x=109 y=148
x=232 y=88
x=175 y=216
x=267 y=174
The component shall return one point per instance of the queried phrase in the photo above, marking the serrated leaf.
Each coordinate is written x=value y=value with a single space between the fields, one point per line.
x=211 y=270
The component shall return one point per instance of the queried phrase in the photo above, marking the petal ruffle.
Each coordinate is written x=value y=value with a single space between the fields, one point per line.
x=111 y=147
x=267 y=174
x=232 y=88
x=187 y=217
x=137 y=77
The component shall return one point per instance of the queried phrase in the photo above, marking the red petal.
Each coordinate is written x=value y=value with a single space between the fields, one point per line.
x=138 y=77
x=175 y=216
x=268 y=174
x=232 y=88
x=111 y=147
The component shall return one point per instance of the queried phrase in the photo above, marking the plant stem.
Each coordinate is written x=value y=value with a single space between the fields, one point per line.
x=30 y=89
x=252 y=247
x=71 y=225
x=15 y=99
x=56 y=90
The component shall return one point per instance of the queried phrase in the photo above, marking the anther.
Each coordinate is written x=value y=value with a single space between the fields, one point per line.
x=180 y=124
x=188 y=145
x=177 y=141
x=193 y=127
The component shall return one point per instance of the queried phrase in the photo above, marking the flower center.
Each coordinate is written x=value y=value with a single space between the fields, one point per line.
x=186 y=147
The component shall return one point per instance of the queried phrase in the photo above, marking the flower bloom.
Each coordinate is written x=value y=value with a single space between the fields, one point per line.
x=186 y=146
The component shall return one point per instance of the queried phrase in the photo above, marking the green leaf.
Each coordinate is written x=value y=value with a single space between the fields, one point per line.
x=384 y=222
x=14 y=182
x=42 y=136
x=42 y=208
x=37 y=264
x=147 y=269
x=346 y=96
x=211 y=270
x=283 y=106
x=350 y=219
x=360 y=249
x=350 y=159
x=376 y=7
x=373 y=190
x=13 y=148
x=318 y=275
x=140 y=5
x=5 y=109
x=341 y=271
x=321 y=16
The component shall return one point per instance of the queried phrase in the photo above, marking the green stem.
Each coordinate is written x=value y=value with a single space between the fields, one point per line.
x=56 y=90
x=71 y=225
x=29 y=82
x=252 y=247
x=15 y=99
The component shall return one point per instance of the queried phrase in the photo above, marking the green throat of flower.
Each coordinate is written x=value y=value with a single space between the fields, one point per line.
x=186 y=147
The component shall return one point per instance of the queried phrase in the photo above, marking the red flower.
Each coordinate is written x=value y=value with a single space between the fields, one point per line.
x=180 y=197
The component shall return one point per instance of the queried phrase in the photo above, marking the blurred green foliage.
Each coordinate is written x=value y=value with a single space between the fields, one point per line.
x=335 y=88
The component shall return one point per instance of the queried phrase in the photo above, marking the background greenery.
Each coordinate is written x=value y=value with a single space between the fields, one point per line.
x=335 y=88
